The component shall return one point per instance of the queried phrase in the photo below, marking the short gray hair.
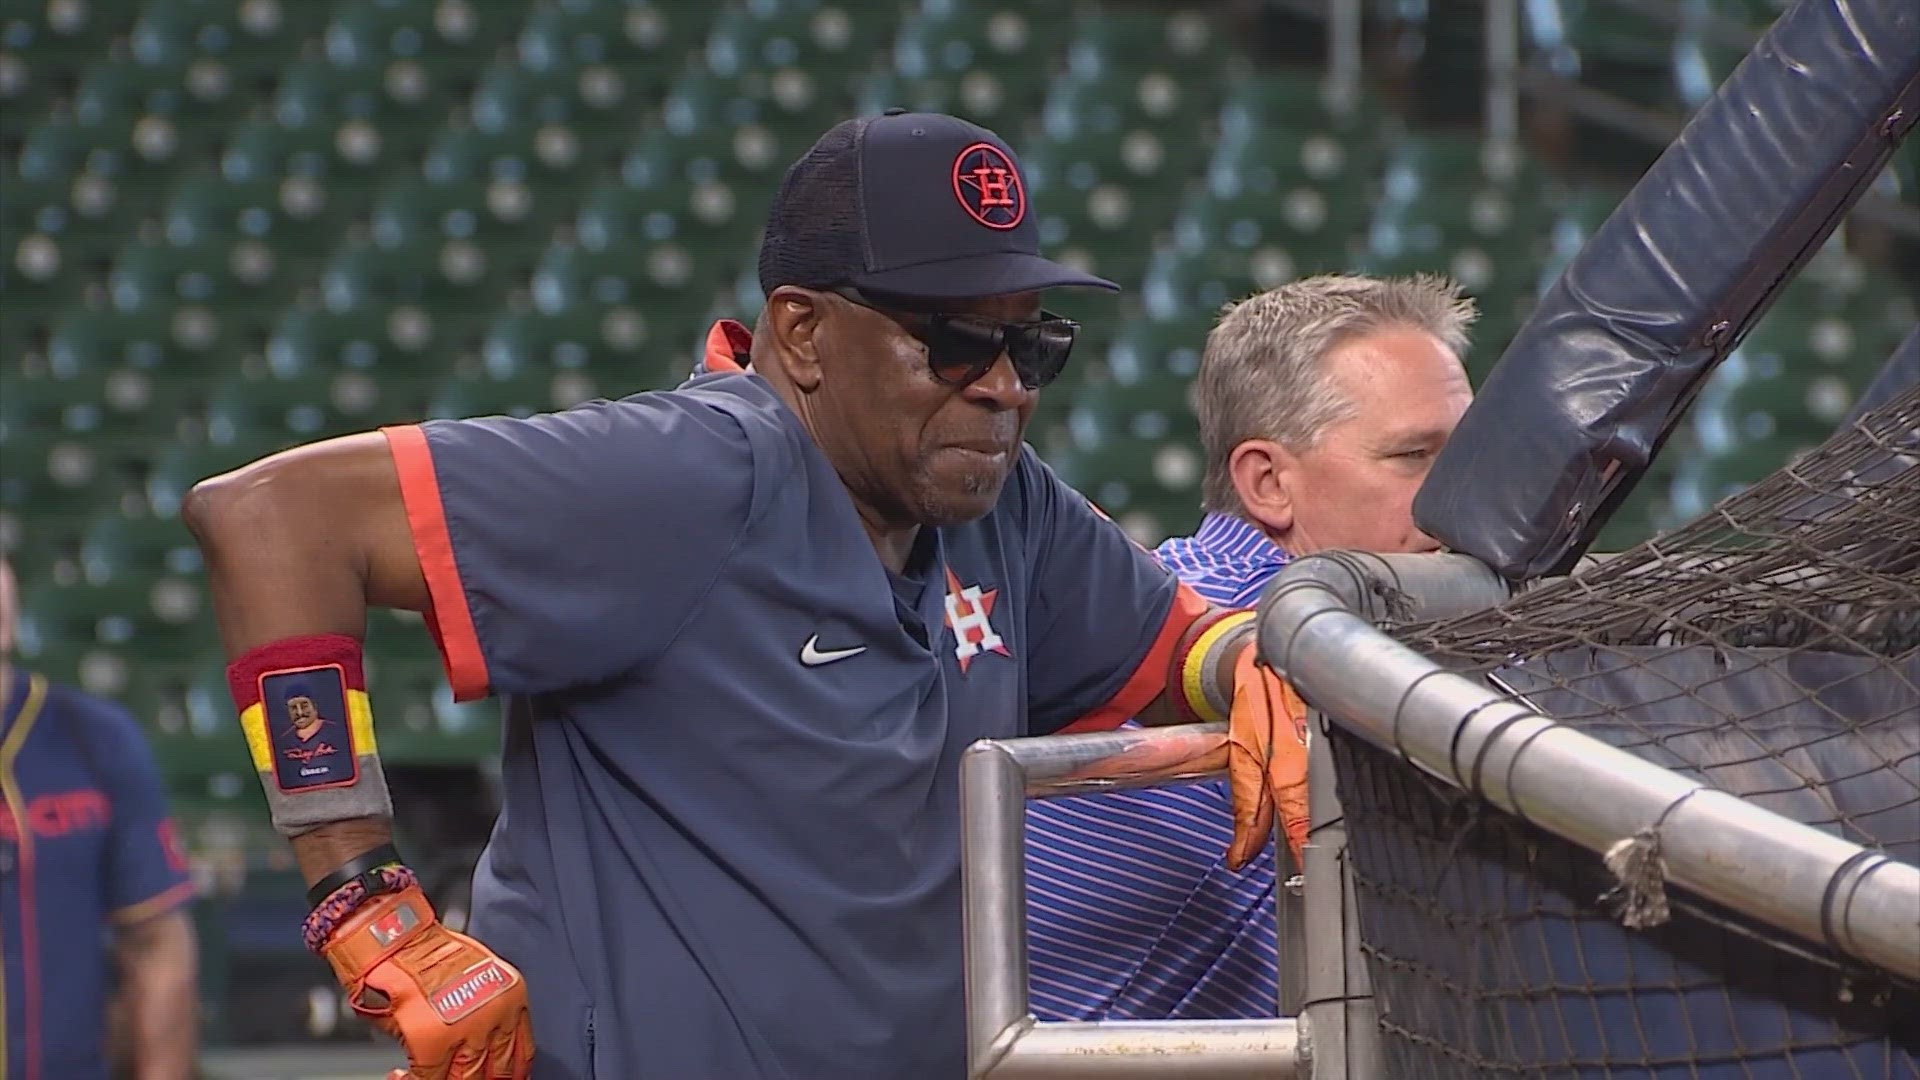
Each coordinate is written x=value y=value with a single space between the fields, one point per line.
x=1261 y=378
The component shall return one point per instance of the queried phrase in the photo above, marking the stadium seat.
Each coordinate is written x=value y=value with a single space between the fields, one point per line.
x=378 y=31
x=175 y=469
x=404 y=93
x=515 y=393
x=419 y=722
x=97 y=634
x=1621 y=50
x=197 y=740
x=610 y=346
x=1133 y=438
x=624 y=34
x=990 y=53
x=59 y=32
x=135 y=546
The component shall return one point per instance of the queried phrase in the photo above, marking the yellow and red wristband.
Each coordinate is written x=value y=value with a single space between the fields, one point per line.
x=1200 y=697
x=309 y=728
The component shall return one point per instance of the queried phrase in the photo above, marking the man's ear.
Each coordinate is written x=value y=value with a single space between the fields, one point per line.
x=1264 y=475
x=791 y=327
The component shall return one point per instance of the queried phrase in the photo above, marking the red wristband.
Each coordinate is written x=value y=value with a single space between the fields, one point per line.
x=302 y=703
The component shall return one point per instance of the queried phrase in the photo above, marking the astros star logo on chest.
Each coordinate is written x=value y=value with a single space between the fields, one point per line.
x=970 y=617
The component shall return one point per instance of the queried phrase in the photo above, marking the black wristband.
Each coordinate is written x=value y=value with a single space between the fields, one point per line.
x=361 y=868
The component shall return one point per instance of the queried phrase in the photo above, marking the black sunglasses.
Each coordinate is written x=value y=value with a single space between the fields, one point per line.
x=962 y=348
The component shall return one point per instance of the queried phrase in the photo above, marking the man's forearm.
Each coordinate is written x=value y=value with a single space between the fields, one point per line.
x=1209 y=648
x=299 y=545
x=337 y=843
x=161 y=995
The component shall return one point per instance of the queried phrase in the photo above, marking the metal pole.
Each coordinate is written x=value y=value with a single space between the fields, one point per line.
x=1170 y=1049
x=1290 y=926
x=1343 y=54
x=1786 y=874
x=1004 y=1041
x=1339 y=1006
x=993 y=850
x=1503 y=71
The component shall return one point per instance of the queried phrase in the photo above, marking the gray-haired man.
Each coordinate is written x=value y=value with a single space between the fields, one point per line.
x=1322 y=404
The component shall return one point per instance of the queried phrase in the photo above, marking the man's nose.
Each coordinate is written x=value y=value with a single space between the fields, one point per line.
x=1000 y=387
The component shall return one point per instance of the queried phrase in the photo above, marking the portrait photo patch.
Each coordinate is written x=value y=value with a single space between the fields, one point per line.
x=309 y=728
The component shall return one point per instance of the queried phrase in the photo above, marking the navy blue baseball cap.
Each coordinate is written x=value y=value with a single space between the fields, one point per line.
x=920 y=205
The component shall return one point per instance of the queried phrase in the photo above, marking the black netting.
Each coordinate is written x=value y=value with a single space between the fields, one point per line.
x=813 y=237
x=1771 y=649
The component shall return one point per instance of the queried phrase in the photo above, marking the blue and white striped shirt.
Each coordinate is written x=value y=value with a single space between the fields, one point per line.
x=1132 y=912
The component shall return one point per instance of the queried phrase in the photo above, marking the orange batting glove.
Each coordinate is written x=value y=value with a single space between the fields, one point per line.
x=1266 y=760
x=459 y=1011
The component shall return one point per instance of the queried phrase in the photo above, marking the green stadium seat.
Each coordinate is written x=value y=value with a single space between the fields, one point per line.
x=1622 y=50
x=133 y=547
x=377 y=31
x=1134 y=441
x=434 y=272
x=177 y=468
x=804 y=59
x=979 y=96
x=622 y=33
x=217 y=273
x=405 y=92
x=60 y=31
x=385 y=336
x=419 y=723
x=610 y=346
x=665 y=277
x=502 y=216
x=953 y=37
x=355 y=149
x=515 y=393
x=593 y=100
x=97 y=634
x=548 y=152
x=56 y=473
x=1179 y=44
x=300 y=407
x=273 y=227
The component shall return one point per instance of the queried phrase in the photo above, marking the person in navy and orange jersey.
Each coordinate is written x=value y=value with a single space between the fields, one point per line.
x=91 y=877
x=744 y=630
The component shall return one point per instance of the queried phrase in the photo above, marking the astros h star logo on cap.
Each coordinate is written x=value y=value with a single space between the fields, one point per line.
x=989 y=187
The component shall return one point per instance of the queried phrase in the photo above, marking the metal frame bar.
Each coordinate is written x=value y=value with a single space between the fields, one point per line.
x=1004 y=1041
x=997 y=777
x=1786 y=874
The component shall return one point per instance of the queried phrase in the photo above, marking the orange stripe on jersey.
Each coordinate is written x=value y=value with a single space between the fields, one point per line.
x=449 y=615
x=1154 y=675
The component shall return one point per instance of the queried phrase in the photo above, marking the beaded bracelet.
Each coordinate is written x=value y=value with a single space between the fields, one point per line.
x=327 y=916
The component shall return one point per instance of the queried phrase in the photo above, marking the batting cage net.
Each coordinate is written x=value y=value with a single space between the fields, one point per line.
x=1770 y=649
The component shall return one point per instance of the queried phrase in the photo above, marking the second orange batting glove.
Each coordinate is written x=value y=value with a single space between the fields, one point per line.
x=1266 y=760
x=459 y=1011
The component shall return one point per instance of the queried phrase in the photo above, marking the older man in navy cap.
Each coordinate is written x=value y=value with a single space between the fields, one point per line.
x=745 y=629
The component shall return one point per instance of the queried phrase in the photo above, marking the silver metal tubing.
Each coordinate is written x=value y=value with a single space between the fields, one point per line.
x=1503 y=67
x=1339 y=990
x=1787 y=874
x=1183 y=1049
x=1003 y=1038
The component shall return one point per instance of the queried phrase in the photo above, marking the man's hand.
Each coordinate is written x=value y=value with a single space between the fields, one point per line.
x=1266 y=760
x=458 y=1010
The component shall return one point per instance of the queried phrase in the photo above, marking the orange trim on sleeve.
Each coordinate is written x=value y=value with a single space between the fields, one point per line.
x=728 y=343
x=451 y=620
x=155 y=905
x=1154 y=676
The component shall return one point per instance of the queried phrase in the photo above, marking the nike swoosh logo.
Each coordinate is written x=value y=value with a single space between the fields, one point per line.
x=813 y=656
